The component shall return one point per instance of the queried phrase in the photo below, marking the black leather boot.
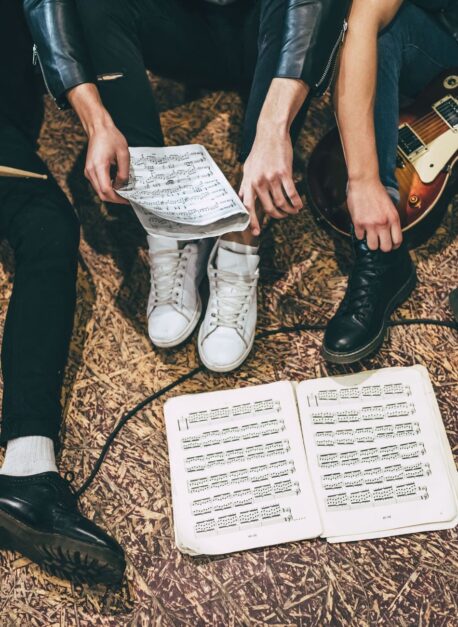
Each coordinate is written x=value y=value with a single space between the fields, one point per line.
x=378 y=283
x=39 y=518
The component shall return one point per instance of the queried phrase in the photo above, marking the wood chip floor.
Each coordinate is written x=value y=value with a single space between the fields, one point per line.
x=398 y=581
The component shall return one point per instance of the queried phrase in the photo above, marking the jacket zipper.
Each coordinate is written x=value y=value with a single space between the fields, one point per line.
x=330 y=65
x=36 y=59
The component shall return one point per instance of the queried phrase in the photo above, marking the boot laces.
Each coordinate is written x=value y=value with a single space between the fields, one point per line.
x=168 y=268
x=233 y=295
x=363 y=286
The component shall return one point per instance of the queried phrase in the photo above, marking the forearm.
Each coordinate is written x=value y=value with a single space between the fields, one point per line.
x=283 y=102
x=107 y=147
x=85 y=100
x=357 y=83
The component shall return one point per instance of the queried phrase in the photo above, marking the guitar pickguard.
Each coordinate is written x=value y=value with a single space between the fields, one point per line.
x=429 y=159
x=436 y=156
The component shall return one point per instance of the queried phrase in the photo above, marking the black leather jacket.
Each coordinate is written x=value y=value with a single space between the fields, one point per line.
x=313 y=30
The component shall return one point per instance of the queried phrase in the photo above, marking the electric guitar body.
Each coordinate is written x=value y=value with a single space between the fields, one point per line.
x=426 y=159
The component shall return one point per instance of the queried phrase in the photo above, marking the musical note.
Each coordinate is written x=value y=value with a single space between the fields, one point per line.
x=180 y=190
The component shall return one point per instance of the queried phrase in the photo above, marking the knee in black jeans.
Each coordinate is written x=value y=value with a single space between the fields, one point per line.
x=44 y=229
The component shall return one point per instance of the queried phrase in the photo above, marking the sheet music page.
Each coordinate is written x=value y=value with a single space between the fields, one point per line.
x=238 y=470
x=180 y=192
x=375 y=453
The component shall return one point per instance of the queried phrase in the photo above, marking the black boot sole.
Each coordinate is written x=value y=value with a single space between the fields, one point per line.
x=60 y=555
x=377 y=341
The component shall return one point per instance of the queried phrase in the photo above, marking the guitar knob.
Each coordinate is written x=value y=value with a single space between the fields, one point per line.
x=451 y=81
x=414 y=201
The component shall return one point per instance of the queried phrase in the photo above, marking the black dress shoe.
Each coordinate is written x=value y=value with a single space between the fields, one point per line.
x=39 y=518
x=378 y=283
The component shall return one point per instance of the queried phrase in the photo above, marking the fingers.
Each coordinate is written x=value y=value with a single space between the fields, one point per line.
x=100 y=178
x=386 y=243
x=249 y=200
x=396 y=234
x=122 y=172
x=390 y=235
x=105 y=184
x=278 y=197
x=267 y=204
x=292 y=193
x=359 y=231
x=372 y=239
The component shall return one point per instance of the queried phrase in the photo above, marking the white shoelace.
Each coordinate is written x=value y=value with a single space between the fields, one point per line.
x=233 y=295
x=167 y=277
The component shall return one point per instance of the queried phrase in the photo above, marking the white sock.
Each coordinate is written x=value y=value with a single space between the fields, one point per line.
x=30 y=455
x=236 y=247
x=238 y=258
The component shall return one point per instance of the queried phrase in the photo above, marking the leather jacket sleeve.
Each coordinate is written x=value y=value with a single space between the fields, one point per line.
x=313 y=32
x=59 y=45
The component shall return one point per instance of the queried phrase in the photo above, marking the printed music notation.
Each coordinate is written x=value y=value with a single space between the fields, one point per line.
x=365 y=413
x=229 y=413
x=234 y=434
x=370 y=461
x=237 y=521
x=374 y=475
x=180 y=191
x=252 y=474
x=244 y=497
x=369 y=446
x=242 y=465
x=237 y=455
x=379 y=496
x=357 y=393
x=367 y=434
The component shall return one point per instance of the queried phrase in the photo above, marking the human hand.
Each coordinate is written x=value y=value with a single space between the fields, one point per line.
x=107 y=150
x=374 y=215
x=268 y=178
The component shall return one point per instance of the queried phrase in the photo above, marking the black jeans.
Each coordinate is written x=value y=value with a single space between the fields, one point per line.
x=202 y=44
x=43 y=231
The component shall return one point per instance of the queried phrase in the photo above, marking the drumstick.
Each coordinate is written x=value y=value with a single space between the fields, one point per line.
x=15 y=172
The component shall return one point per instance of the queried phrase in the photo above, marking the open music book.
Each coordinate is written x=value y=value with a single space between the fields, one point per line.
x=347 y=458
x=180 y=192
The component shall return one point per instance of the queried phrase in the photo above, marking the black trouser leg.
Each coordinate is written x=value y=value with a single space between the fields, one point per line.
x=178 y=39
x=188 y=40
x=41 y=227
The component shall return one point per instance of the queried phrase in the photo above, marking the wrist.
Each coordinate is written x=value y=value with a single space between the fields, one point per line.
x=96 y=122
x=85 y=100
x=274 y=128
x=363 y=178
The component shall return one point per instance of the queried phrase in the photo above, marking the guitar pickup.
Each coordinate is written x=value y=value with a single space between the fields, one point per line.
x=410 y=143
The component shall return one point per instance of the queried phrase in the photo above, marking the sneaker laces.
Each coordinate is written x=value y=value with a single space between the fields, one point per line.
x=168 y=269
x=233 y=294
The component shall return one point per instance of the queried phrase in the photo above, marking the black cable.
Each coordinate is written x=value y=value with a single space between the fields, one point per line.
x=297 y=328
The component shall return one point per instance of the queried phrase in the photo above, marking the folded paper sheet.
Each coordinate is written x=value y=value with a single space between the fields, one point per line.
x=180 y=192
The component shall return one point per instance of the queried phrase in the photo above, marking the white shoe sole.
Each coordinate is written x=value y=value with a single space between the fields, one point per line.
x=219 y=368
x=185 y=333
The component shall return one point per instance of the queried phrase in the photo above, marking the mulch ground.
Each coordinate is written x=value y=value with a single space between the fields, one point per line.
x=398 y=581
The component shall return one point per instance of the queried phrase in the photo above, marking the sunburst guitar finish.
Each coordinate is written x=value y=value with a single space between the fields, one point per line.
x=426 y=159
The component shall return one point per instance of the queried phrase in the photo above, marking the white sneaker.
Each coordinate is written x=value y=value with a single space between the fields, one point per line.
x=174 y=304
x=226 y=335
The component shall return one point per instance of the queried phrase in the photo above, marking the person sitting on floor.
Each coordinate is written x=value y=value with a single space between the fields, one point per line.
x=38 y=511
x=393 y=48
x=281 y=49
